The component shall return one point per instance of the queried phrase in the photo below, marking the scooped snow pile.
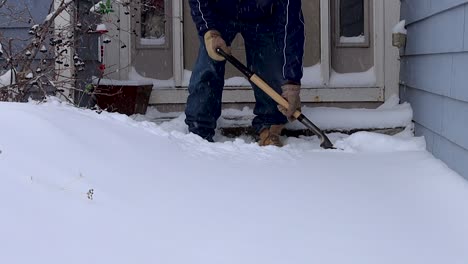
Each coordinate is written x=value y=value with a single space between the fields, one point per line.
x=380 y=143
x=82 y=187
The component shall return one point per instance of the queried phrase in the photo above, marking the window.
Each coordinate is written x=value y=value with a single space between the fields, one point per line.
x=153 y=23
x=352 y=23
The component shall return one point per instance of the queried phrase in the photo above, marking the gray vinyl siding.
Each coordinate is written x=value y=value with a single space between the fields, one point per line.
x=86 y=45
x=16 y=26
x=434 y=76
x=16 y=19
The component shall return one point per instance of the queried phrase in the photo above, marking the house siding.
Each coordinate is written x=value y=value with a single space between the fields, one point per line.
x=86 y=45
x=18 y=28
x=16 y=19
x=434 y=76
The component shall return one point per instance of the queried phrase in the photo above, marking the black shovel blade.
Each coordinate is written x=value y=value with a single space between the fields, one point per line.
x=325 y=142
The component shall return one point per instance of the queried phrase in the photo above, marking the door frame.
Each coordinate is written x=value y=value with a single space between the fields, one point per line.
x=178 y=41
x=385 y=62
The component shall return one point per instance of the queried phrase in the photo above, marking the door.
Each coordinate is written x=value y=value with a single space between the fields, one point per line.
x=344 y=60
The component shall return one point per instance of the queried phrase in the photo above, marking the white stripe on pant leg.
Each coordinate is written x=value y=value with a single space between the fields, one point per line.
x=285 y=40
x=301 y=18
x=202 y=15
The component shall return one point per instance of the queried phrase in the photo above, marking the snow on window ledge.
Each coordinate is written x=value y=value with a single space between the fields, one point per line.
x=153 y=41
x=353 y=40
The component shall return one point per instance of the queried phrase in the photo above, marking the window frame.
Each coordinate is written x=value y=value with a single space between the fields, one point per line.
x=366 y=43
x=137 y=26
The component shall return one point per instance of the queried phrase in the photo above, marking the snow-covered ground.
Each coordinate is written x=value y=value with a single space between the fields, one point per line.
x=82 y=187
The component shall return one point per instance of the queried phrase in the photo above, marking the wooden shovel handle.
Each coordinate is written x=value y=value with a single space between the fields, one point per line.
x=324 y=141
x=272 y=93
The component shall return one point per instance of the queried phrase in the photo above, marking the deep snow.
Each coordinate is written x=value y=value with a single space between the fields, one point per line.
x=164 y=196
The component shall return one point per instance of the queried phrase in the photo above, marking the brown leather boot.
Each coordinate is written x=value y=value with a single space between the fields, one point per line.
x=271 y=136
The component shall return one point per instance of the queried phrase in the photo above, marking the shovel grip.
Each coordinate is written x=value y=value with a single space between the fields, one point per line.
x=272 y=93
x=256 y=80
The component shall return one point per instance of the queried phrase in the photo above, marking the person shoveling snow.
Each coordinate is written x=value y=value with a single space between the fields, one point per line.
x=274 y=35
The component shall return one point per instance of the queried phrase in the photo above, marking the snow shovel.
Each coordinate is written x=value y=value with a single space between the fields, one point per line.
x=324 y=141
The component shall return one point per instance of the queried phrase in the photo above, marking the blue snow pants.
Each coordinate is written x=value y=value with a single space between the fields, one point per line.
x=265 y=56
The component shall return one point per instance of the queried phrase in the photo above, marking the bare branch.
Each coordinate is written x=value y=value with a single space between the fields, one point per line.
x=2 y=3
x=44 y=59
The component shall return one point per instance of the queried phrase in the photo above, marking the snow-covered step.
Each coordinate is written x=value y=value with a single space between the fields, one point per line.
x=389 y=118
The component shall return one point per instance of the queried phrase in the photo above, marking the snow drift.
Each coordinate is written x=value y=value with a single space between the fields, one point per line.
x=160 y=195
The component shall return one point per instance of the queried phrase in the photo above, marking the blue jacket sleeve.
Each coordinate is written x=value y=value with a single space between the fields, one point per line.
x=203 y=15
x=294 y=41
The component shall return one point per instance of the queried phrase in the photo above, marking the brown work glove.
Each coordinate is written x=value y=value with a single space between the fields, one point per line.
x=213 y=40
x=291 y=94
